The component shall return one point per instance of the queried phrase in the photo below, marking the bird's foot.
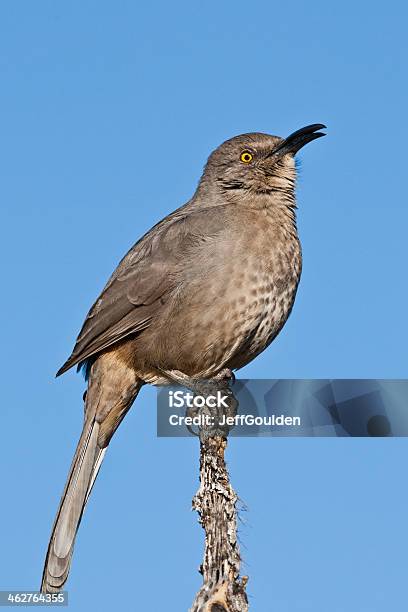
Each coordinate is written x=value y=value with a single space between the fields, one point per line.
x=216 y=405
x=225 y=375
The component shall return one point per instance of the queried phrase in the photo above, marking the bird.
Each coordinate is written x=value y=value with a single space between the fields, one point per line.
x=202 y=293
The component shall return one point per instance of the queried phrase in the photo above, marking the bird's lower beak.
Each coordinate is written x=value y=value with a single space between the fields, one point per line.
x=298 y=139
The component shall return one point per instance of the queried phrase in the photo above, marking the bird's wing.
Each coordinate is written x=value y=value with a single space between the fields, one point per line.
x=144 y=280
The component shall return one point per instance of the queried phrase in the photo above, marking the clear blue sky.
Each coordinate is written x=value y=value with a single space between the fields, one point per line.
x=108 y=112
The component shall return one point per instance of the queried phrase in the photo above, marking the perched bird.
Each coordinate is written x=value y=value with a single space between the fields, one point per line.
x=204 y=291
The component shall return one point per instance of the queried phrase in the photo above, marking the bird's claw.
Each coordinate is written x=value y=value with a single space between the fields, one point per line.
x=205 y=388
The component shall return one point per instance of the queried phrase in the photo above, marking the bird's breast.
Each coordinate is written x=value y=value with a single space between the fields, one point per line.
x=270 y=289
x=235 y=313
x=234 y=298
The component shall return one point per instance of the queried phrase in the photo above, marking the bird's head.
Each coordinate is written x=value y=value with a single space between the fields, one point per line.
x=256 y=164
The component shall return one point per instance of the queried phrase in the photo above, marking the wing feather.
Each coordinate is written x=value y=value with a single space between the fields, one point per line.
x=144 y=280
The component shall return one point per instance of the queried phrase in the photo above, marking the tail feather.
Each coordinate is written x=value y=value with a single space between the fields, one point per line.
x=98 y=463
x=84 y=469
x=112 y=388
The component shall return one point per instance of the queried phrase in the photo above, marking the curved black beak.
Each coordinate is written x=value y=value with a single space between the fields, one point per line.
x=298 y=139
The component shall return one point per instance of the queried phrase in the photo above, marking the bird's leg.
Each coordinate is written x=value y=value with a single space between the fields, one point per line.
x=225 y=374
x=218 y=405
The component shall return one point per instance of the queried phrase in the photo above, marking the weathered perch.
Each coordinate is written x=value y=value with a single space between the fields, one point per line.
x=215 y=501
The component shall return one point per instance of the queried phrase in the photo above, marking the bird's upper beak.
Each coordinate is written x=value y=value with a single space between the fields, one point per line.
x=298 y=139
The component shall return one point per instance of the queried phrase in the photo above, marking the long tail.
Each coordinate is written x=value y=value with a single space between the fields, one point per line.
x=107 y=402
x=84 y=469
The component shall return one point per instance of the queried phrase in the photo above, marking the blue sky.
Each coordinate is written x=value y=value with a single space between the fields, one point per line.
x=108 y=113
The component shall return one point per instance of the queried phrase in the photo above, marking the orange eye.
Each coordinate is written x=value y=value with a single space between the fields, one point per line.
x=246 y=157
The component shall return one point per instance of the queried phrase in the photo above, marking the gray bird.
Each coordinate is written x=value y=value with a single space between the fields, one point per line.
x=203 y=292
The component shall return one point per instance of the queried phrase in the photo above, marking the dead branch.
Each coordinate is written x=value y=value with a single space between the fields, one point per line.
x=215 y=501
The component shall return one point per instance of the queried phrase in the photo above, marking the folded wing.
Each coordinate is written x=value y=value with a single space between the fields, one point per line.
x=144 y=280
